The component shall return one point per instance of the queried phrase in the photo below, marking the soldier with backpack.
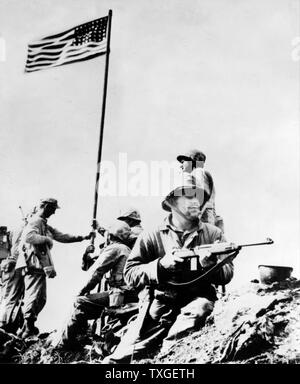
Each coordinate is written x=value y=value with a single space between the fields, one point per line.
x=31 y=262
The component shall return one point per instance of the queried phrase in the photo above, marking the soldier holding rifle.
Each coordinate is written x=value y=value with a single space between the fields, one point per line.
x=171 y=311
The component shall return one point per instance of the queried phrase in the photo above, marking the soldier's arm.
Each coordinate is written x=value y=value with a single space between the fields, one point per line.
x=15 y=241
x=32 y=234
x=64 y=237
x=142 y=264
x=103 y=264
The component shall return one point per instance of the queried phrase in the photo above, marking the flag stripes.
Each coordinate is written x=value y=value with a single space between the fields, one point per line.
x=81 y=43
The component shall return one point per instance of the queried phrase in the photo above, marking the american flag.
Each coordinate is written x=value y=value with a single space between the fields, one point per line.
x=81 y=43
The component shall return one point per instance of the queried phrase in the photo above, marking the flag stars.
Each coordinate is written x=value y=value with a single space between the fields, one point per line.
x=94 y=31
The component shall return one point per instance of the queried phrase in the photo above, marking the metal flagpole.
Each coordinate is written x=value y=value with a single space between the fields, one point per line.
x=86 y=262
x=102 y=123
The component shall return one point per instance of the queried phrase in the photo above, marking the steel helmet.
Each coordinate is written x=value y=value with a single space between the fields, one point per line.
x=131 y=213
x=193 y=154
x=187 y=182
x=119 y=229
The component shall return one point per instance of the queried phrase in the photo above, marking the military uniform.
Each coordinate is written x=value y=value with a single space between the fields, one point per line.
x=173 y=301
x=209 y=213
x=33 y=259
x=10 y=295
x=90 y=306
x=5 y=252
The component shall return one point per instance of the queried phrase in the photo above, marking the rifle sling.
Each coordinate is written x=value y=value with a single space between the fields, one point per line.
x=213 y=269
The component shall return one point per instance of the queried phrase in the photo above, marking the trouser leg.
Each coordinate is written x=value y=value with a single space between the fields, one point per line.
x=35 y=295
x=145 y=333
x=192 y=316
x=85 y=308
x=12 y=291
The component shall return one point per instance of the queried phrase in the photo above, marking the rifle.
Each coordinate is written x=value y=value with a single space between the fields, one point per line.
x=192 y=258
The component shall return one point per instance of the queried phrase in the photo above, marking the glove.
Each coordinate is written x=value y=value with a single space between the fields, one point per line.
x=9 y=265
x=50 y=272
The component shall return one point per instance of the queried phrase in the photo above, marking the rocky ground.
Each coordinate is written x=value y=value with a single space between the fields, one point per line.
x=257 y=324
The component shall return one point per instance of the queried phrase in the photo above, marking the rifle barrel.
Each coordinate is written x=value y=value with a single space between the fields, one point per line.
x=267 y=242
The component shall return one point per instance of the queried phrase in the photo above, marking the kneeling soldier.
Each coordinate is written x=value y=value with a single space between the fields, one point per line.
x=89 y=306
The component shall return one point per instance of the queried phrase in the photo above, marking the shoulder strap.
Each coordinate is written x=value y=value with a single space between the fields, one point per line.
x=165 y=242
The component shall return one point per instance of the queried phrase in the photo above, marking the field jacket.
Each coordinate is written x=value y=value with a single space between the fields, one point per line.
x=111 y=263
x=33 y=250
x=143 y=269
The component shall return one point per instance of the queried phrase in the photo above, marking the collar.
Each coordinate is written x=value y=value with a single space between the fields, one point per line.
x=42 y=218
x=167 y=225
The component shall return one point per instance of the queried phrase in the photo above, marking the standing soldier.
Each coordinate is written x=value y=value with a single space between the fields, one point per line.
x=9 y=319
x=34 y=263
x=193 y=162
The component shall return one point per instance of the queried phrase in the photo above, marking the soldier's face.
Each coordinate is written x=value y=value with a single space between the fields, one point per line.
x=189 y=206
x=130 y=221
x=124 y=233
x=49 y=210
x=186 y=166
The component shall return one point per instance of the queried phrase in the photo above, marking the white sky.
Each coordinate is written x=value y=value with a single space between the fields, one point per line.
x=217 y=75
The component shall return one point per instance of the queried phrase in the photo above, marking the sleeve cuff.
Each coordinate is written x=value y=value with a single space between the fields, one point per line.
x=153 y=271
x=162 y=273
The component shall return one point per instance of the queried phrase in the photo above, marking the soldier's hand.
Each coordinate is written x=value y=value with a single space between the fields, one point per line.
x=170 y=261
x=89 y=236
x=95 y=224
x=9 y=265
x=101 y=230
x=207 y=259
